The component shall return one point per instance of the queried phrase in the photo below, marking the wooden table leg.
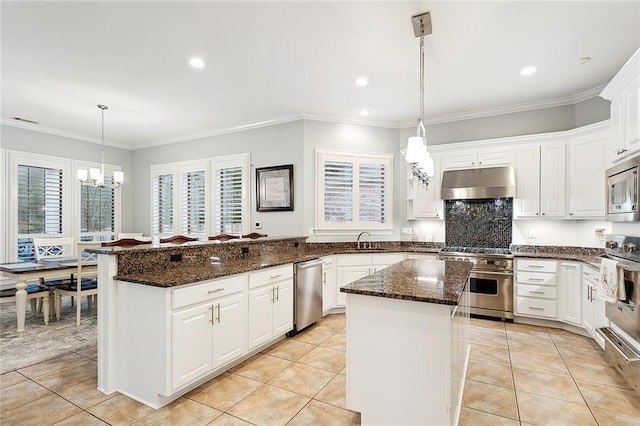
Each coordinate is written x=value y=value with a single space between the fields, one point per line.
x=21 y=304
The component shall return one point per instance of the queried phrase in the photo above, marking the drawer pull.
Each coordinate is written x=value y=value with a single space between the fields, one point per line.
x=536 y=292
x=272 y=277
x=277 y=293
x=535 y=266
x=536 y=309
x=211 y=309
x=535 y=279
x=215 y=291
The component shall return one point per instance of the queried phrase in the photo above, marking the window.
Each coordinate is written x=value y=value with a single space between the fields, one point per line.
x=162 y=203
x=230 y=186
x=193 y=202
x=354 y=191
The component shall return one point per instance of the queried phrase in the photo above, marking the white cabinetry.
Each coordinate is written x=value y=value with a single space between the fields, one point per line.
x=472 y=158
x=624 y=93
x=586 y=173
x=570 y=293
x=270 y=304
x=328 y=284
x=535 y=283
x=192 y=345
x=593 y=305
x=540 y=180
x=352 y=267
x=424 y=203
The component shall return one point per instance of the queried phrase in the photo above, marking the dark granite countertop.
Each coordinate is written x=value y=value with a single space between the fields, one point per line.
x=589 y=255
x=440 y=282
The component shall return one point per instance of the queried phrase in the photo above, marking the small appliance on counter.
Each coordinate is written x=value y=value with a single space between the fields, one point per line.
x=621 y=287
x=623 y=191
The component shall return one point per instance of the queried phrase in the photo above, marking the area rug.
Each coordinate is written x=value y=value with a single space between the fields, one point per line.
x=43 y=342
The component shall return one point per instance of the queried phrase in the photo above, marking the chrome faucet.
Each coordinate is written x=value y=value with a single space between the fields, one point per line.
x=360 y=235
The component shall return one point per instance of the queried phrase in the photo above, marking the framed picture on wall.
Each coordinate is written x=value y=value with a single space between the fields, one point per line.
x=274 y=188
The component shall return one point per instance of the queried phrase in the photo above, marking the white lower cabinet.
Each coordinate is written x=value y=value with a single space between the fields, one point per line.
x=191 y=344
x=593 y=305
x=570 y=293
x=328 y=284
x=535 y=288
x=270 y=304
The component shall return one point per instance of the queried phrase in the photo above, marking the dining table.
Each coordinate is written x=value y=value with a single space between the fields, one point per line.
x=23 y=272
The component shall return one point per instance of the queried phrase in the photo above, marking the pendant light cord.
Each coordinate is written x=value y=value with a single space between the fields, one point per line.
x=102 y=108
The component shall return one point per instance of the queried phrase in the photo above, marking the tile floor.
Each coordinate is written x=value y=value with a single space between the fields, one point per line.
x=518 y=375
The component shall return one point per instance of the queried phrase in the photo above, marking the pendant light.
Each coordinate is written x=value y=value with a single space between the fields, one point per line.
x=95 y=177
x=417 y=156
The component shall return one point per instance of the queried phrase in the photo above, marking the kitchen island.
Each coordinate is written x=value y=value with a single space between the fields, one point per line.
x=407 y=343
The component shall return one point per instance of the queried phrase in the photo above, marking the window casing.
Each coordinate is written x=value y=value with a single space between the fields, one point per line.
x=353 y=192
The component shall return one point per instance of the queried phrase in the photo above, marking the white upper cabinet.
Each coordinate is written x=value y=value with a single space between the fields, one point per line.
x=425 y=203
x=483 y=157
x=624 y=93
x=586 y=173
x=540 y=180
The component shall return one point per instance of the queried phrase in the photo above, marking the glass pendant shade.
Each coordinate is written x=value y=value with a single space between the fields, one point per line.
x=95 y=175
x=82 y=175
x=118 y=178
x=415 y=149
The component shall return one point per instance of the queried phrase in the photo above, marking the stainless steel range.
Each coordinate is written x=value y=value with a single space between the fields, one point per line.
x=491 y=280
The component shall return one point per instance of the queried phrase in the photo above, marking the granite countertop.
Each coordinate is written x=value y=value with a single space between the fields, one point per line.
x=440 y=282
x=589 y=255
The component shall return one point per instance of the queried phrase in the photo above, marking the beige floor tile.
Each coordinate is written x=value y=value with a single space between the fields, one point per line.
x=84 y=394
x=181 y=412
x=533 y=330
x=489 y=372
x=302 y=379
x=82 y=419
x=76 y=372
x=487 y=324
x=331 y=325
x=43 y=411
x=610 y=398
x=343 y=371
x=119 y=410
x=471 y=417
x=527 y=338
x=550 y=385
x=224 y=391
x=595 y=373
x=552 y=364
x=269 y=405
x=319 y=413
x=337 y=342
x=335 y=393
x=582 y=355
x=228 y=420
x=261 y=367
x=488 y=338
x=536 y=346
x=490 y=354
x=325 y=358
x=11 y=378
x=289 y=349
x=314 y=335
x=90 y=353
x=490 y=399
x=541 y=410
x=613 y=418
x=21 y=393
x=486 y=330
x=563 y=338
x=47 y=367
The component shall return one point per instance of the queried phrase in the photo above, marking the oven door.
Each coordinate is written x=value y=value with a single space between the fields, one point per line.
x=491 y=294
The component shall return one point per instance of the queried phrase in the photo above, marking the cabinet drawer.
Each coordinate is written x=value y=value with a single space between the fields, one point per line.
x=535 y=278
x=354 y=260
x=591 y=275
x=270 y=275
x=537 y=307
x=541 y=291
x=536 y=265
x=208 y=290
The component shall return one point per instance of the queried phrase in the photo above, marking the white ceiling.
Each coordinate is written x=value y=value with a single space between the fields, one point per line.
x=270 y=62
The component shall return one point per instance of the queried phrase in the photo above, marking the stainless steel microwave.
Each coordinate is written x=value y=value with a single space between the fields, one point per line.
x=623 y=191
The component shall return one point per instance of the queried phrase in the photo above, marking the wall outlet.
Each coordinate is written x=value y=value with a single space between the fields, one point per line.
x=406 y=231
x=258 y=225
x=532 y=234
x=310 y=230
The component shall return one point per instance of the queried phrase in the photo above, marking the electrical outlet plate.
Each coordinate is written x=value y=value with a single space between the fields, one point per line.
x=258 y=225
x=406 y=231
x=532 y=234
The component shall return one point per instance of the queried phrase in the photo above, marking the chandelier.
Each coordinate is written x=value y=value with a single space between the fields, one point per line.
x=95 y=177
x=417 y=156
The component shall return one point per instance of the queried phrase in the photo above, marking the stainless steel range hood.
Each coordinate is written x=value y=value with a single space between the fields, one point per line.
x=471 y=184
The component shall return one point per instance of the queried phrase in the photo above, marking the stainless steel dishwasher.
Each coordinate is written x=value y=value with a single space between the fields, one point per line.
x=307 y=300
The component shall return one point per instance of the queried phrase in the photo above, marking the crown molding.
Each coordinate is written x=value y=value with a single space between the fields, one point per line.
x=57 y=132
x=628 y=72
x=352 y=120
x=510 y=109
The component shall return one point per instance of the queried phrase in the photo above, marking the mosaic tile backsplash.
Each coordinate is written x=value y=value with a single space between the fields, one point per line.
x=479 y=223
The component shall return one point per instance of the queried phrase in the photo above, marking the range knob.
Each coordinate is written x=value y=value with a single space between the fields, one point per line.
x=482 y=261
x=611 y=244
x=496 y=262
x=629 y=248
x=505 y=263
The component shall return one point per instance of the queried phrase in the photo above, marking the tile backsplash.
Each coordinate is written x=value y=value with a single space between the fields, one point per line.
x=479 y=223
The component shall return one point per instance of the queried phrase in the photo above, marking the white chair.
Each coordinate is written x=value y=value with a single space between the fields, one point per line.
x=35 y=293
x=52 y=249
x=85 y=283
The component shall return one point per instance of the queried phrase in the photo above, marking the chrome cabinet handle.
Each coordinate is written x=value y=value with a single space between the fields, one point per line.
x=211 y=309
x=273 y=294
x=536 y=266
x=215 y=291
x=536 y=292
x=218 y=305
x=537 y=214
x=535 y=279
x=272 y=277
x=543 y=214
x=536 y=309
x=277 y=293
x=324 y=278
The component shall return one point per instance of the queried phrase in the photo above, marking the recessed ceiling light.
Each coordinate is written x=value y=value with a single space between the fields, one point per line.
x=364 y=112
x=361 y=81
x=528 y=71
x=583 y=60
x=196 y=63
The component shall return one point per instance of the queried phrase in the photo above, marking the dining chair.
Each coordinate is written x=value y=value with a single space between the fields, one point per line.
x=35 y=294
x=223 y=237
x=178 y=239
x=254 y=235
x=54 y=249
x=125 y=242
x=88 y=281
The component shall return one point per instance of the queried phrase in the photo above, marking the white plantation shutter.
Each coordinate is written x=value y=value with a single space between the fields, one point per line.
x=193 y=206
x=97 y=209
x=230 y=180
x=162 y=198
x=355 y=191
x=39 y=200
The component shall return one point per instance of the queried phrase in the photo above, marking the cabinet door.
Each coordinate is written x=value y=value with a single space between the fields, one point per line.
x=346 y=275
x=283 y=308
x=191 y=344
x=497 y=156
x=230 y=328
x=460 y=159
x=570 y=293
x=427 y=202
x=527 y=201
x=588 y=306
x=586 y=176
x=631 y=117
x=552 y=179
x=260 y=315
x=615 y=144
x=328 y=285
